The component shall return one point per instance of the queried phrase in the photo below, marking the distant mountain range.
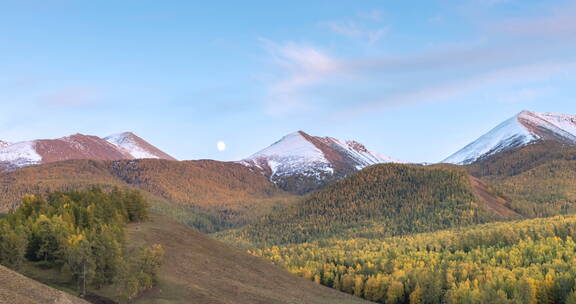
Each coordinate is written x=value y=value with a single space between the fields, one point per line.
x=523 y=129
x=299 y=162
x=78 y=146
x=524 y=168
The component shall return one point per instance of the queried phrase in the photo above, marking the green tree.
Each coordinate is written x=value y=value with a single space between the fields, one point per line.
x=13 y=245
x=80 y=261
x=395 y=294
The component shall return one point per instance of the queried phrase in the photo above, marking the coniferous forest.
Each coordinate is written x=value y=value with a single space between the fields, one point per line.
x=79 y=237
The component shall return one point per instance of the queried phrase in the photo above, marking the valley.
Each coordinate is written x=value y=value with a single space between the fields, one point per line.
x=341 y=223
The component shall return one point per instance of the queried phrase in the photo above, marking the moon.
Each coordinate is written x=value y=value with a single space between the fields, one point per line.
x=221 y=146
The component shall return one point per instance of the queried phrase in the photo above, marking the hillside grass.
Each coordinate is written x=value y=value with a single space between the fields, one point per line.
x=18 y=289
x=199 y=269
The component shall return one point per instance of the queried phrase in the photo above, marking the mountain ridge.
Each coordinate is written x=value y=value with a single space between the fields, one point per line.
x=77 y=146
x=301 y=163
x=523 y=129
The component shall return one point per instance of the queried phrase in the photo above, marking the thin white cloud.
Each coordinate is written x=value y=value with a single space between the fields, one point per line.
x=300 y=66
x=71 y=97
x=374 y=15
x=504 y=55
x=525 y=94
x=458 y=88
x=351 y=29
x=559 y=23
x=367 y=27
x=432 y=77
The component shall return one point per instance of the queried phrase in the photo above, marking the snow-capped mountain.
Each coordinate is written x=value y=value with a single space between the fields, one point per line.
x=77 y=146
x=300 y=162
x=135 y=146
x=523 y=129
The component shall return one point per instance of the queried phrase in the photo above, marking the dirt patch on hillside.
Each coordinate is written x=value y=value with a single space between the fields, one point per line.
x=490 y=202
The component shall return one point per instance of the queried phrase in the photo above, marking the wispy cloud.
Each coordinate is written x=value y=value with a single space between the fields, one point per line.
x=453 y=87
x=525 y=94
x=301 y=66
x=559 y=23
x=352 y=29
x=71 y=98
x=511 y=54
x=374 y=15
x=367 y=27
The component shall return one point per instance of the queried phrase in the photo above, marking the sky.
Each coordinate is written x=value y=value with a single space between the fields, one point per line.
x=416 y=80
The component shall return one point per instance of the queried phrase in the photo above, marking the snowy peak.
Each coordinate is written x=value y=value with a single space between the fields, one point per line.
x=292 y=153
x=302 y=156
x=523 y=129
x=135 y=146
x=294 y=146
x=550 y=126
x=77 y=146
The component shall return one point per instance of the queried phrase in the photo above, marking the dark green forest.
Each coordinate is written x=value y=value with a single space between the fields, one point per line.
x=79 y=235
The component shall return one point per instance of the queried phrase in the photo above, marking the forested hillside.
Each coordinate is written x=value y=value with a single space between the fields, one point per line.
x=76 y=240
x=381 y=200
x=518 y=160
x=530 y=261
x=207 y=195
x=538 y=180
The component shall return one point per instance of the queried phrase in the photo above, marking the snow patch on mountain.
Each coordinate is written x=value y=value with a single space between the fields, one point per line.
x=20 y=154
x=362 y=155
x=561 y=124
x=127 y=143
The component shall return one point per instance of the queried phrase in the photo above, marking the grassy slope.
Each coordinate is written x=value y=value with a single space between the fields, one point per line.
x=18 y=289
x=198 y=269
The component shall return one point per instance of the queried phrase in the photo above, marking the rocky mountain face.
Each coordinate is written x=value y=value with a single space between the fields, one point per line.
x=523 y=129
x=301 y=163
x=77 y=146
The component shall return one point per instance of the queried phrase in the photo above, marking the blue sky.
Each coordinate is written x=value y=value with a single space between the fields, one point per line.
x=415 y=80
